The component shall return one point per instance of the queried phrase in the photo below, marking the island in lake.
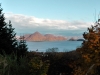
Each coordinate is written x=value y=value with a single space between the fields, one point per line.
x=38 y=37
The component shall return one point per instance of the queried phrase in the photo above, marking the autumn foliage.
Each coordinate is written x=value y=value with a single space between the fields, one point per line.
x=90 y=50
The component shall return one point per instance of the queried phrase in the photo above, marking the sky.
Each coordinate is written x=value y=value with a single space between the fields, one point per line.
x=68 y=18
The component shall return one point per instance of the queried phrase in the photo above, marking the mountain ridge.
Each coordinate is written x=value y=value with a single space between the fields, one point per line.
x=37 y=36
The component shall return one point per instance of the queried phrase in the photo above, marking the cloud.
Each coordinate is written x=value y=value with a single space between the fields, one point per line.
x=24 y=23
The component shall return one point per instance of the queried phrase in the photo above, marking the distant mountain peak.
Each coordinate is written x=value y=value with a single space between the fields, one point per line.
x=37 y=32
x=37 y=36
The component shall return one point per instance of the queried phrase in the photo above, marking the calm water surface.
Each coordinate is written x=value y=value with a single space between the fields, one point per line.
x=61 y=45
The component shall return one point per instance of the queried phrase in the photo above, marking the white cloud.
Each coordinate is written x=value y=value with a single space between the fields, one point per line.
x=28 y=23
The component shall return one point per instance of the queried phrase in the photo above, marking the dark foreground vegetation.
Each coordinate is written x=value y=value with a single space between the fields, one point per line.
x=16 y=60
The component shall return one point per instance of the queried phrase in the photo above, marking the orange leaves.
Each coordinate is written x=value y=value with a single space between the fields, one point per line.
x=96 y=51
x=86 y=57
x=90 y=50
x=91 y=45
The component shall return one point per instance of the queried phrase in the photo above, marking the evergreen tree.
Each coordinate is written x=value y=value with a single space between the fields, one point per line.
x=22 y=47
x=8 y=42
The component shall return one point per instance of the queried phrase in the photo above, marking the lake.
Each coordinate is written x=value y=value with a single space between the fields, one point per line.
x=61 y=45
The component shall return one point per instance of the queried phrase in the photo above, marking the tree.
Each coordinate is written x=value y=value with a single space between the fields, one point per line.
x=90 y=49
x=38 y=66
x=8 y=42
x=52 y=50
x=91 y=45
x=22 y=47
x=9 y=66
